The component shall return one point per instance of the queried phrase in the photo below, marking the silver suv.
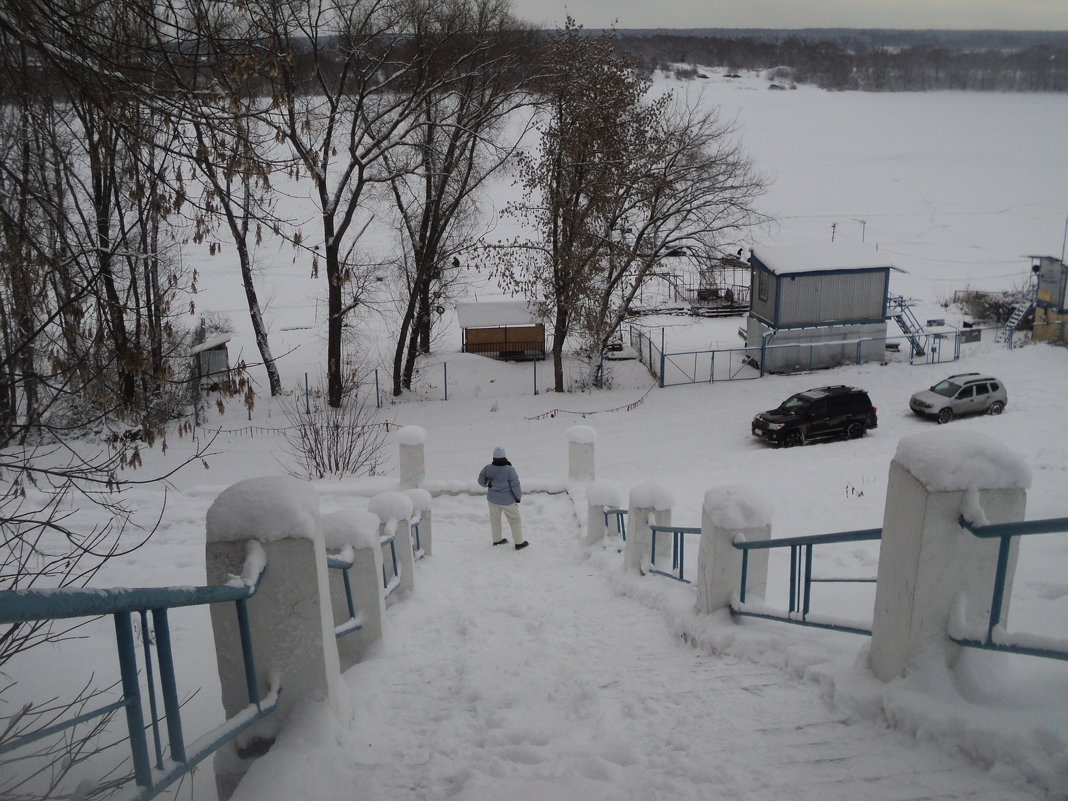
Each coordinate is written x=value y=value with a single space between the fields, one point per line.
x=965 y=393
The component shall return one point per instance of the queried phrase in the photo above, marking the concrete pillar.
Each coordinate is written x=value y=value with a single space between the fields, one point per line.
x=730 y=514
x=927 y=562
x=422 y=501
x=410 y=441
x=354 y=536
x=600 y=495
x=394 y=511
x=290 y=618
x=649 y=503
x=580 y=457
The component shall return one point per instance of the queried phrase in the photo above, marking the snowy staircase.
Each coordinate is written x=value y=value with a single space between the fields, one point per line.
x=1006 y=332
x=901 y=313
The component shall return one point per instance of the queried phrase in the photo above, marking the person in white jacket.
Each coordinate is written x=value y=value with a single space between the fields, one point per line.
x=504 y=494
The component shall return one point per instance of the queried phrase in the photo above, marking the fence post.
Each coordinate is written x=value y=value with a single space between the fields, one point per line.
x=649 y=503
x=421 y=514
x=358 y=531
x=729 y=514
x=600 y=495
x=394 y=510
x=410 y=442
x=928 y=564
x=290 y=618
x=580 y=453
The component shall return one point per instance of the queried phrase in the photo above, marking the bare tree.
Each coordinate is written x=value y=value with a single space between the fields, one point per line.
x=687 y=188
x=592 y=110
x=479 y=78
x=346 y=87
x=619 y=182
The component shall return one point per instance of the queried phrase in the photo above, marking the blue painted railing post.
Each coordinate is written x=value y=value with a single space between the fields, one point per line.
x=928 y=564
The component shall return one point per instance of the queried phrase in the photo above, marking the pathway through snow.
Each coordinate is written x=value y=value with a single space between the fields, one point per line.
x=522 y=676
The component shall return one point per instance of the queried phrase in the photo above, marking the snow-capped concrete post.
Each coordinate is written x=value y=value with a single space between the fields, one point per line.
x=580 y=461
x=930 y=568
x=650 y=504
x=290 y=619
x=600 y=495
x=731 y=514
x=394 y=511
x=353 y=536
x=422 y=501
x=411 y=441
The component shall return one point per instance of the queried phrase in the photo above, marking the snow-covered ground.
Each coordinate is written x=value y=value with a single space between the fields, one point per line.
x=488 y=680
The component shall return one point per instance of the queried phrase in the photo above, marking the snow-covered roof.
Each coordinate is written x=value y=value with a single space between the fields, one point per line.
x=809 y=258
x=208 y=344
x=495 y=312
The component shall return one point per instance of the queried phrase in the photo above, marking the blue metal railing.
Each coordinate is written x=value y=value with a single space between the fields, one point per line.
x=390 y=581
x=1005 y=532
x=801 y=579
x=678 y=551
x=27 y=606
x=417 y=542
x=621 y=523
x=343 y=562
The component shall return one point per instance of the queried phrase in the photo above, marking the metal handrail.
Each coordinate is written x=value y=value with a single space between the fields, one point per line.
x=621 y=523
x=25 y=606
x=801 y=579
x=678 y=550
x=390 y=583
x=1005 y=532
x=355 y=622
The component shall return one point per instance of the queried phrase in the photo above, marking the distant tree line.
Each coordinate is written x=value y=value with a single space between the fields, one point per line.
x=869 y=63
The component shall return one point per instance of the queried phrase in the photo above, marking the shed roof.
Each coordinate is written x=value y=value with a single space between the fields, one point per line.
x=208 y=344
x=491 y=313
x=822 y=257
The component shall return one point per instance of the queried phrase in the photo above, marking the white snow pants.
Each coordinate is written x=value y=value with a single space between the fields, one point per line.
x=511 y=511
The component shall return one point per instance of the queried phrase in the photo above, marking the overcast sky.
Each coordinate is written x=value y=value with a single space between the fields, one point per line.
x=953 y=14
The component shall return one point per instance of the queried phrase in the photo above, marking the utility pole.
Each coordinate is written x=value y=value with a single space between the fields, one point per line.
x=833 y=227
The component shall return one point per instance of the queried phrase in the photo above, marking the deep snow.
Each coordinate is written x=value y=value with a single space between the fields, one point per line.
x=551 y=674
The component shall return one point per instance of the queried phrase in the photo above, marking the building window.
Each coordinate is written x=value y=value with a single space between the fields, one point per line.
x=763 y=279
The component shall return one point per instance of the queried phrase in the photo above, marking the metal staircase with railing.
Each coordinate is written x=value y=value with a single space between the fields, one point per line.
x=1021 y=310
x=898 y=309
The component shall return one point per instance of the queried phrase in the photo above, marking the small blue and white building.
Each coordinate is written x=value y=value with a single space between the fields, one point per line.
x=817 y=305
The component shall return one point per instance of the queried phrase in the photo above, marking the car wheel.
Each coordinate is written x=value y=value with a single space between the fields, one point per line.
x=945 y=415
x=855 y=430
x=793 y=438
x=997 y=407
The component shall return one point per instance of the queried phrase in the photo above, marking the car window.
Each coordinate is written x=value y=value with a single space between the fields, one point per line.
x=982 y=389
x=818 y=409
x=795 y=403
x=966 y=393
x=995 y=386
x=947 y=388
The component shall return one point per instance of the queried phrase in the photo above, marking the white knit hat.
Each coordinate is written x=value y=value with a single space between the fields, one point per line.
x=498 y=452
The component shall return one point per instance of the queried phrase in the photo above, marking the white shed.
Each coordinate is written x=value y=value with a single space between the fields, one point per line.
x=824 y=301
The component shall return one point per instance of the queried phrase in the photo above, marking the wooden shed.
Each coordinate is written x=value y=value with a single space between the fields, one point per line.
x=812 y=306
x=211 y=362
x=501 y=330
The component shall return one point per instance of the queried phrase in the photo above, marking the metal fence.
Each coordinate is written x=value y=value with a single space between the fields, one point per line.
x=731 y=364
x=151 y=776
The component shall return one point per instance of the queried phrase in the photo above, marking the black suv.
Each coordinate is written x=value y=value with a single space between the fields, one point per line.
x=817 y=413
